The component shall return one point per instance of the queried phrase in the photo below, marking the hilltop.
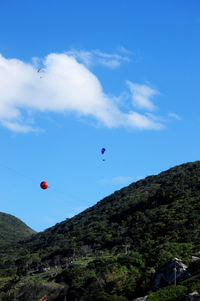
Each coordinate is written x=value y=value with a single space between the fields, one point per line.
x=12 y=230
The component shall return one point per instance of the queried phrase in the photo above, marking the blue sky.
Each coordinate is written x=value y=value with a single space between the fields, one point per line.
x=123 y=75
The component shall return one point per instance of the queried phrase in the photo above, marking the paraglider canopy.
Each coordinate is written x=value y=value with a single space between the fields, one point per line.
x=40 y=69
x=103 y=150
x=44 y=185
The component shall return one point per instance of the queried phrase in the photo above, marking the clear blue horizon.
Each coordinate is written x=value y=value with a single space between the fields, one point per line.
x=119 y=75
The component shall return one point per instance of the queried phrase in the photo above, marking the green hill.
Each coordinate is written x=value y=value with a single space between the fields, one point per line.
x=111 y=250
x=160 y=210
x=12 y=230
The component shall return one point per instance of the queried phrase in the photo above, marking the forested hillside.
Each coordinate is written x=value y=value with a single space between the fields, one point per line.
x=12 y=230
x=162 y=209
x=112 y=250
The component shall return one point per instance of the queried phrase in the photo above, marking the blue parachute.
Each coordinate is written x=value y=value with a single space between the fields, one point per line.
x=103 y=150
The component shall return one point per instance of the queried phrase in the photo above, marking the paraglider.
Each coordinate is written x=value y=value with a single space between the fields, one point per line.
x=44 y=185
x=102 y=152
x=41 y=70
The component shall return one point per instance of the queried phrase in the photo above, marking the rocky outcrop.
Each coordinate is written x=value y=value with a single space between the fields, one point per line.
x=170 y=272
x=141 y=298
x=195 y=258
x=192 y=296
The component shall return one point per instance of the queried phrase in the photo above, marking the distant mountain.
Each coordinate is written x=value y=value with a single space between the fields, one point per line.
x=112 y=250
x=12 y=230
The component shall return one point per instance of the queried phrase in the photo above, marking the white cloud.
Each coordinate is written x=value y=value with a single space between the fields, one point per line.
x=141 y=96
x=142 y=122
x=118 y=180
x=17 y=127
x=175 y=116
x=97 y=57
x=65 y=86
x=123 y=50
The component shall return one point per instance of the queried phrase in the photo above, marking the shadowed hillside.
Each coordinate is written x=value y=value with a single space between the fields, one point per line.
x=12 y=230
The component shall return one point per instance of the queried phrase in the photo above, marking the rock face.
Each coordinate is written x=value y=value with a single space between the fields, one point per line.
x=140 y=299
x=195 y=258
x=192 y=296
x=169 y=272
